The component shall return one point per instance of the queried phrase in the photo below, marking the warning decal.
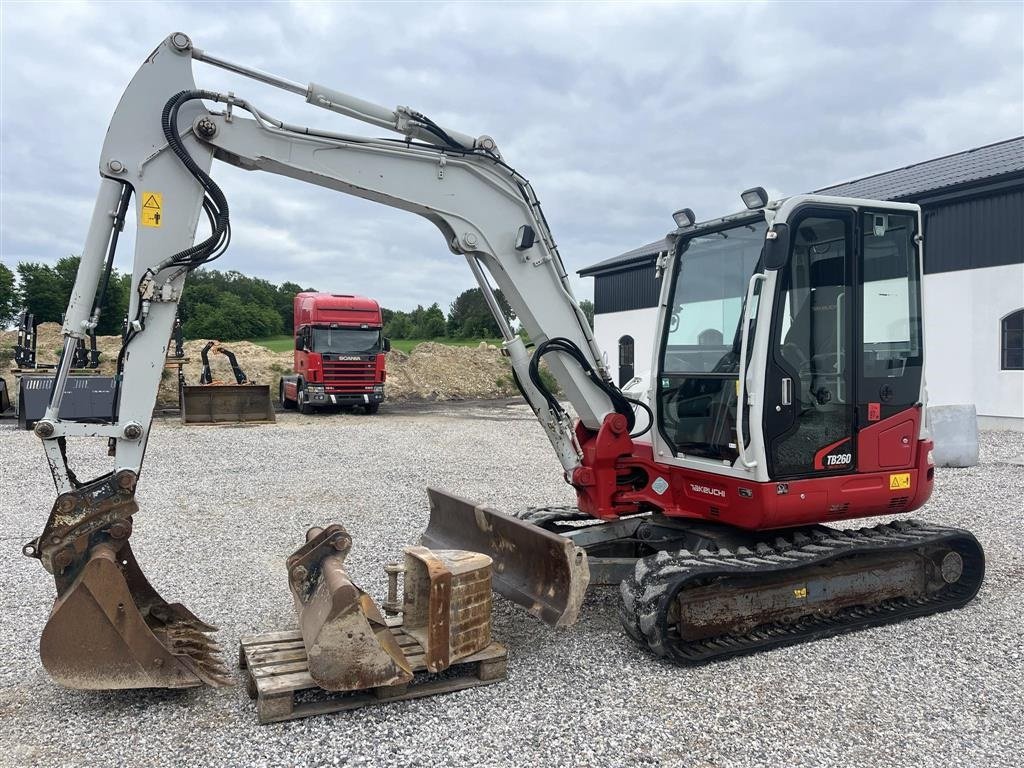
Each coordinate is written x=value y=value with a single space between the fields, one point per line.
x=152 y=209
x=899 y=482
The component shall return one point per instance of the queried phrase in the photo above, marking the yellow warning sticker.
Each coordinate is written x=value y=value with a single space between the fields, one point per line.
x=152 y=209
x=899 y=482
x=800 y=593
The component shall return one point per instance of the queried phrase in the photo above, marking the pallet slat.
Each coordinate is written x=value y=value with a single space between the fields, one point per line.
x=278 y=670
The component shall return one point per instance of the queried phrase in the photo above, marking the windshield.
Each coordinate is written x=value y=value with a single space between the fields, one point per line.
x=346 y=341
x=711 y=286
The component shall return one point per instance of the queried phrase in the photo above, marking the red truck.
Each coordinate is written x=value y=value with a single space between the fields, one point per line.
x=339 y=354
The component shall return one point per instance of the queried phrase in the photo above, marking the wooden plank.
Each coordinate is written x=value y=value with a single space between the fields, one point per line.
x=277 y=669
x=272 y=637
x=280 y=669
x=269 y=659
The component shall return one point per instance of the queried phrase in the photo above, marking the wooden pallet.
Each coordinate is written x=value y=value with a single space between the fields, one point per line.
x=277 y=671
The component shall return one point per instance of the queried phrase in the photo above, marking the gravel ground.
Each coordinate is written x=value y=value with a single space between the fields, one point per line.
x=221 y=508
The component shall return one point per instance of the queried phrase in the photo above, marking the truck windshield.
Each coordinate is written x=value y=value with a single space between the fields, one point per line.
x=347 y=341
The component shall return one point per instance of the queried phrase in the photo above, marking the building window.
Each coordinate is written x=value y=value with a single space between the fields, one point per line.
x=1013 y=341
x=626 y=369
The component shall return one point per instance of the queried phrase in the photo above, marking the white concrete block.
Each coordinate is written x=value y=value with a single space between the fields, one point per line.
x=955 y=433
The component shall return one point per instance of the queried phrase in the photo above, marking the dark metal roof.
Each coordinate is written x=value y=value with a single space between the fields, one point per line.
x=969 y=168
x=643 y=253
x=974 y=165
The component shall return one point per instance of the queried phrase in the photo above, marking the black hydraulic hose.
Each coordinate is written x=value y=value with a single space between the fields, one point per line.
x=216 y=204
x=559 y=344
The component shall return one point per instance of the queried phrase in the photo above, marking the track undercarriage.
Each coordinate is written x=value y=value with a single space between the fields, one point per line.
x=694 y=592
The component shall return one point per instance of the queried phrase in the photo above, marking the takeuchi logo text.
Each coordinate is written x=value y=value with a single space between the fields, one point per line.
x=707 y=491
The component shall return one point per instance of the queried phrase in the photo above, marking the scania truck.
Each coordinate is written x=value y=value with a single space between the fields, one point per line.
x=339 y=354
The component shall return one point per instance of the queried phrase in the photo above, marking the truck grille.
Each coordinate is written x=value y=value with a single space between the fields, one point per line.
x=349 y=375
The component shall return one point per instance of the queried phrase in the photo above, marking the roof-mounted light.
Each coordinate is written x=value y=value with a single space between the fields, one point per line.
x=754 y=198
x=683 y=218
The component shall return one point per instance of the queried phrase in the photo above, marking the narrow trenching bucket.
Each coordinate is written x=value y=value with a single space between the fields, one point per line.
x=226 y=403
x=109 y=629
x=348 y=642
x=543 y=572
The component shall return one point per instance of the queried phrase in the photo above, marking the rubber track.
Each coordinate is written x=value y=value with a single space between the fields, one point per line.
x=648 y=595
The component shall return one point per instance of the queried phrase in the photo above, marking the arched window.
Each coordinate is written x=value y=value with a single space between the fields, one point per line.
x=626 y=369
x=1012 y=347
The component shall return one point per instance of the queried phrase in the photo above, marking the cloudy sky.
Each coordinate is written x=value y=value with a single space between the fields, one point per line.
x=618 y=113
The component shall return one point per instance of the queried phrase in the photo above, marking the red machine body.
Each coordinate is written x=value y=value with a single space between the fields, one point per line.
x=339 y=352
x=619 y=476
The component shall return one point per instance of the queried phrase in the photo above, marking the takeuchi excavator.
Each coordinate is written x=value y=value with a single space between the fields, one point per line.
x=787 y=395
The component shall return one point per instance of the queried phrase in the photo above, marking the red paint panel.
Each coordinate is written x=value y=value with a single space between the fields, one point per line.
x=880 y=446
x=896 y=445
x=617 y=477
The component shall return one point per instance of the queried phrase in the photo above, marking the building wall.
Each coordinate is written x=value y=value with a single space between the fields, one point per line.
x=963 y=311
x=634 y=287
x=638 y=323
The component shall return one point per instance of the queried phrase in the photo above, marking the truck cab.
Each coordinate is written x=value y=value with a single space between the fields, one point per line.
x=339 y=354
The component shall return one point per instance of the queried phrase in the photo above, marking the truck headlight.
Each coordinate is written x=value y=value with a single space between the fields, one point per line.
x=318 y=388
x=378 y=389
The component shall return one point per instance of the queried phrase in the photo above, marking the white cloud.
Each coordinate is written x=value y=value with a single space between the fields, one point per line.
x=618 y=113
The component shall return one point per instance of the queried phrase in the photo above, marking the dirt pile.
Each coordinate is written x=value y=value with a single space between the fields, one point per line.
x=430 y=372
x=441 y=372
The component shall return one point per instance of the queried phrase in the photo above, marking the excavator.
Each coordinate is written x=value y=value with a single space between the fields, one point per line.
x=787 y=395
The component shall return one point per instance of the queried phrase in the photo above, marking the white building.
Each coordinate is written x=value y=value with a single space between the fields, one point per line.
x=973 y=205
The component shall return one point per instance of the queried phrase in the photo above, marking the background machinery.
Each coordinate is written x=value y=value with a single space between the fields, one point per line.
x=213 y=401
x=788 y=393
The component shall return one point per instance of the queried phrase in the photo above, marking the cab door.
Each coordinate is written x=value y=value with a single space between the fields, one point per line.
x=809 y=403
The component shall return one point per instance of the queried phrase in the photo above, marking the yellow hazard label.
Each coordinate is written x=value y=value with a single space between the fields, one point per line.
x=152 y=209
x=800 y=593
x=899 y=482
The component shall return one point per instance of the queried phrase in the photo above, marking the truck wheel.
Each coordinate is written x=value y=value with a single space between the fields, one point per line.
x=288 y=405
x=304 y=407
x=372 y=408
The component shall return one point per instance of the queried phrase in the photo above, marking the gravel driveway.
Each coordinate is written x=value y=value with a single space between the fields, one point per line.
x=221 y=508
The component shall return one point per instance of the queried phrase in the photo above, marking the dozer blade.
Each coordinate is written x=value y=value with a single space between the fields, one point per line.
x=541 y=571
x=226 y=403
x=109 y=629
x=348 y=642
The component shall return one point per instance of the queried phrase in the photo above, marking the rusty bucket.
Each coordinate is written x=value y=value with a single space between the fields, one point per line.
x=348 y=642
x=543 y=572
x=109 y=629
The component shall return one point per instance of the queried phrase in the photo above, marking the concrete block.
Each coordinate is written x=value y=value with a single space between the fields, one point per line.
x=955 y=432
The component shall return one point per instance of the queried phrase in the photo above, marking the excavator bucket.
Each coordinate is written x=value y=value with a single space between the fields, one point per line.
x=109 y=629
x=226 y=403
x=348 y=642
x=543 y=572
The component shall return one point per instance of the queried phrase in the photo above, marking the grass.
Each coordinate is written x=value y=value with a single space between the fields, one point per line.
x=285 y=343
x=277 y=343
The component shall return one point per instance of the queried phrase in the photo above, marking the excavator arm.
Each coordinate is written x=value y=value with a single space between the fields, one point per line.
x=159 y=149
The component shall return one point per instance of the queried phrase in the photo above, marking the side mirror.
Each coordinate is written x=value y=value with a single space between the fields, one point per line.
x=776 y=247
x=298 y=341
x=387 y=344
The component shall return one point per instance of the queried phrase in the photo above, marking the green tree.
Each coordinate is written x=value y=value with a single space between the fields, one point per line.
x=285 y=303
x=469 y=317
x=588 y=309
x=10 y=303
x=427 y=323
x=46 y=290
x=397 y=324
